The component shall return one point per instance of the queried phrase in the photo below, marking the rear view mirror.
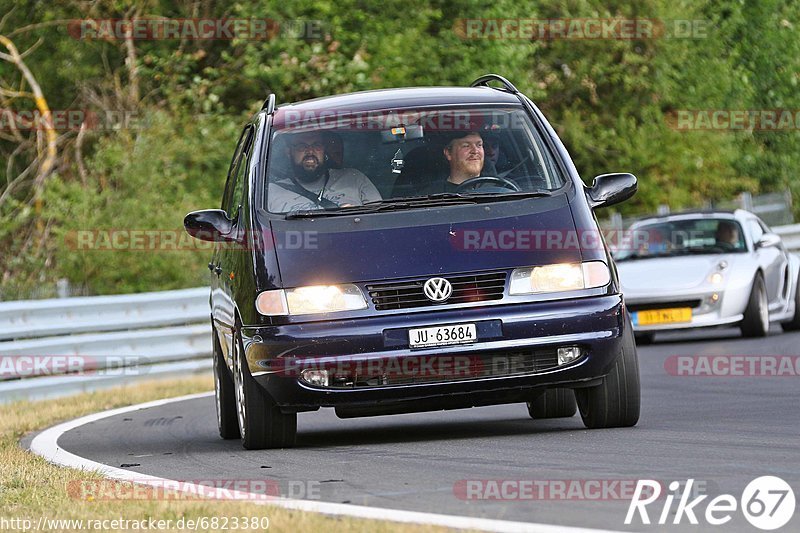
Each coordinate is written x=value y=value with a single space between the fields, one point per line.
x=610 y=189
x=209 y=225
x=402 y=133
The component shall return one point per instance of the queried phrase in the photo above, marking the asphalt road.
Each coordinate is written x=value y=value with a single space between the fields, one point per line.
x=721 y=431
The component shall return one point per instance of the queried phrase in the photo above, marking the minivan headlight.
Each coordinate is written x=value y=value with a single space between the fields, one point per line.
x=559 y=277
x=310 y=300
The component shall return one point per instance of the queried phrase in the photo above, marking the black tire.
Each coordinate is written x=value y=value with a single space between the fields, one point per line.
x=644 y=338
x=553 y=403
x=616 y=401
x=224 y=393
x=756 y=314
x=794 y=323
x=260 y=420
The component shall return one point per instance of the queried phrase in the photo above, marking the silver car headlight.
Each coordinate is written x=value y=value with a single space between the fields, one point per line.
x=310 y=300
x=559 y=277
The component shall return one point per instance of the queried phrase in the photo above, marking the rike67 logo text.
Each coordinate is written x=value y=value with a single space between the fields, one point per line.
x=767 y=502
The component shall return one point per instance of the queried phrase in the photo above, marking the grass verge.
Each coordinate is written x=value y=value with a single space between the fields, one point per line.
x=33 y=489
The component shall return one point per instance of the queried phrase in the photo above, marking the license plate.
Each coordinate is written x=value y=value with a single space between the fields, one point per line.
x=664 y=316
x=442 y=335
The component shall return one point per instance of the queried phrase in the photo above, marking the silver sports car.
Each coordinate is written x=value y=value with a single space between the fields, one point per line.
x=701 y=269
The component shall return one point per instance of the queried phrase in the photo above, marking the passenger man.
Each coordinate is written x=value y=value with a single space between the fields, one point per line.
x=491 y=146
x=312 y=183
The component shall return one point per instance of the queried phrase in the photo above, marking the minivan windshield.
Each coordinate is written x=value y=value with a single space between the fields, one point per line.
x=331 y=162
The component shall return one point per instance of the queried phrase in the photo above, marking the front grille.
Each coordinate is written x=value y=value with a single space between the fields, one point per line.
x=663 y=305
x=443 y=368
x=467 y=288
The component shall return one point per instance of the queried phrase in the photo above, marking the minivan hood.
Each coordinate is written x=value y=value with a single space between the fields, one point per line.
x=423 y=242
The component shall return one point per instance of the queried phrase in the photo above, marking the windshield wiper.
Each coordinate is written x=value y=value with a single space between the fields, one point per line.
x=700 y=250
x=414 y=202
x=539 y=193
x=447 y=197
x=341 y=211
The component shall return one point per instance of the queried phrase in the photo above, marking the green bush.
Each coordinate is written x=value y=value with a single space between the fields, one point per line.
x=142 y=180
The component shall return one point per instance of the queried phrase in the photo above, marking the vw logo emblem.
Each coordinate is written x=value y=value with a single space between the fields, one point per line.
x=437 y=289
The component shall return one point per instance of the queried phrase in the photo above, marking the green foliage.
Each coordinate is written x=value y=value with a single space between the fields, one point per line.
x=610 y=101
x=150 y=182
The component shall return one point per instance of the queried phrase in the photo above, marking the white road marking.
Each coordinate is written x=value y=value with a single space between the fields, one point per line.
x=46 y=445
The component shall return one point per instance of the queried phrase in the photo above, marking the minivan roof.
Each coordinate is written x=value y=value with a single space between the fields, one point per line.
x=387 y=99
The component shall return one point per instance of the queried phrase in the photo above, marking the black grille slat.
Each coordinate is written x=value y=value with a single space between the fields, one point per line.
x=466 y=288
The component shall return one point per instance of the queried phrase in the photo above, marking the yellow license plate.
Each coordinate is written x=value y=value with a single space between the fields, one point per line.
x=664 y=316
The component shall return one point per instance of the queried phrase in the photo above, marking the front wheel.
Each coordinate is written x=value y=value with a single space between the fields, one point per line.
x=223 y=392
x=553 y=403
x=616 y=401
x=261 y=422
x=756 y=315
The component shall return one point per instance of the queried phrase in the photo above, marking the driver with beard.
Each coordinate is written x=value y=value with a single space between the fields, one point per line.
x=313 y=183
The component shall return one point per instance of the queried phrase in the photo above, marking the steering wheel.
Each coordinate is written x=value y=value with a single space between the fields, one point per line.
x=725 y=246
x=503 y=182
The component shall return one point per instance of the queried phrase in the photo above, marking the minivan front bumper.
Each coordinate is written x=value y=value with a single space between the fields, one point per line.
x=277 y=355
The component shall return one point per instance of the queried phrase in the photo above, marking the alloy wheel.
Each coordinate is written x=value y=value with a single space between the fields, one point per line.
x=238 y=379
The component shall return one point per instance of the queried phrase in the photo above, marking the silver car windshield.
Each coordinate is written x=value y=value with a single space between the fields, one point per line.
x=687 y=236
x=331 y=161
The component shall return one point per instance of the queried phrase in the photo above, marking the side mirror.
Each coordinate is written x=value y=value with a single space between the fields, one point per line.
x=610 y=189
x=209 y=225
x=768 y=240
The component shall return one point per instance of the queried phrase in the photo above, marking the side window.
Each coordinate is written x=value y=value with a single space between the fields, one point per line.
x=756 y=230
x=237 y=173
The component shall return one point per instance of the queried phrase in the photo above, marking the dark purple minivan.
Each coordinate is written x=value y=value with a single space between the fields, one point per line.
x=410 y=250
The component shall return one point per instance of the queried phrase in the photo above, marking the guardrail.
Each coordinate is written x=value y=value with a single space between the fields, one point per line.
x=62 y=346
x=790 y=235
x=62 y=316
x=102 y=341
